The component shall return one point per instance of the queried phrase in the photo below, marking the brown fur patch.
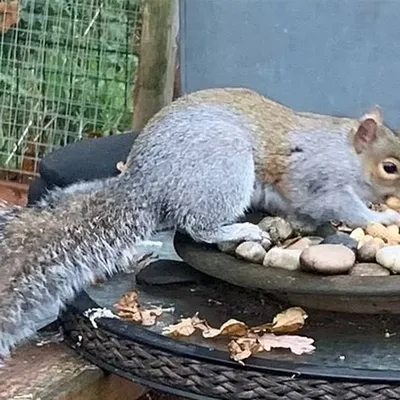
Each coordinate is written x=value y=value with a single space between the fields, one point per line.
x=270 y=122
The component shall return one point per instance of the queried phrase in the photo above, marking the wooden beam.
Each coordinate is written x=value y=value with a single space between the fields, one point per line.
x=155 y=77
x=55 y=372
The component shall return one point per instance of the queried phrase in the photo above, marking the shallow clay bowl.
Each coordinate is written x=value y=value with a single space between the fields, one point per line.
x=342 y=293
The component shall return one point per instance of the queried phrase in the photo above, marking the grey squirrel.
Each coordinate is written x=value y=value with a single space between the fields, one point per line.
x=198 y=165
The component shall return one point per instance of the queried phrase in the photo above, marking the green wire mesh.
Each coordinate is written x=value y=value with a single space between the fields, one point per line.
x=67 y=72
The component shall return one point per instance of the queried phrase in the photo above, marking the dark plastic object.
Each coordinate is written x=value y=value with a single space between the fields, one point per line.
x=82 y=161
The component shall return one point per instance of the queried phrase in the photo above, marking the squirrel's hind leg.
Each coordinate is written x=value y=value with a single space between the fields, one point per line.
x=219 y=201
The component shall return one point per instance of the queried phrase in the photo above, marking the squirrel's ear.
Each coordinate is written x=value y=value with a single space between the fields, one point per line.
x=365 y=135
x=368 y=129
x=375 y=114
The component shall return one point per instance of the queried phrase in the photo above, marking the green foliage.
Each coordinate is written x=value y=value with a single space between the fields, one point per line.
x=66 y=72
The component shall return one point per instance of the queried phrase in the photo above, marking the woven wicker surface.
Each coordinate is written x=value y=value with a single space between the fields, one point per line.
x=198 y=379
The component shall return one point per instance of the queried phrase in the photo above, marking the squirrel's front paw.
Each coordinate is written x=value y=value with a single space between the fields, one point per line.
x=388 y=217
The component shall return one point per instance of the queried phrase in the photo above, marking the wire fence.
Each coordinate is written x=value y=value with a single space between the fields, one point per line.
x=67 y=70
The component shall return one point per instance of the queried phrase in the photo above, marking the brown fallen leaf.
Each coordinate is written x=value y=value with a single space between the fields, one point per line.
x=237 y=352
x=297 y=344
x=149 y=317
x=129 y=309
x=229 y=328
x=289 y=321
x=242 y=348
x=249 y=341
x=186 y=326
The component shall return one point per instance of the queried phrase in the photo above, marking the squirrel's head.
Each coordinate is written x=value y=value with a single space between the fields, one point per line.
x=379 y=150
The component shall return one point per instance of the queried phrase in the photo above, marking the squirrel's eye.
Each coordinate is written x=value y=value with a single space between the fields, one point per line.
x=390 y=168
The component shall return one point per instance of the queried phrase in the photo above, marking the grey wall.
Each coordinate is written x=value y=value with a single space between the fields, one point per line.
x=336 y=56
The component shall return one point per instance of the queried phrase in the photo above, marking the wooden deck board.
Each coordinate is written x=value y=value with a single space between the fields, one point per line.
x=55 y=372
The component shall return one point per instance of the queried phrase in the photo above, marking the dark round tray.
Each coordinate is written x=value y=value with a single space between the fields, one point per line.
x=353 y=358
x=343 y=293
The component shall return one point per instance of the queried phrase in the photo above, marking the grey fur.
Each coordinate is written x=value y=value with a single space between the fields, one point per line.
x=188 y=174
x=49 y=254
x=192 y=169
x=326 y=188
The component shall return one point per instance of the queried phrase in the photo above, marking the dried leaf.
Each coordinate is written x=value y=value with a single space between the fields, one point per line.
x=202 y=326
x=243 y=348
x=297 y=344
x=186 y=327
x=149 y=317
x=229 y=328
x=289 y=321
x=248 y=341
x=238 y=353
x=262 y=328
x=129 y=309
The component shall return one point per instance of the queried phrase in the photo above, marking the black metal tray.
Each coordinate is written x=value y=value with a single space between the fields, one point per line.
x=356 y=355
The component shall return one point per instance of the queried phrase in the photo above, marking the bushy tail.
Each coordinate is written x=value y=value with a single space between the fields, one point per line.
x=49 y=253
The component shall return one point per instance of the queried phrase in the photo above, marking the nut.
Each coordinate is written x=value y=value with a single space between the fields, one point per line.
x=393 y=203
x=388 y=234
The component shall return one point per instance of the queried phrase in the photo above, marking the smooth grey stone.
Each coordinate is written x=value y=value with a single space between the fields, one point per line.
x=325 y=230
x=343 y=239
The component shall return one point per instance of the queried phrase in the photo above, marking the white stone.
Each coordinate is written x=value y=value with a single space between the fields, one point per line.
x=389 y=257
x=251 y=251
x=278 y=257
x=328 y=259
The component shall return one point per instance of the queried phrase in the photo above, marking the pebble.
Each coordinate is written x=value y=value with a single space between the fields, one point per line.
x=287 y=259
x=325 y=230
x=358 y=234
x=389 y=257
x=327 y=259
x=302 y=228
x=305 y=242
x=364 y=240
x=369 y=269
x=343 y=239
x=266 y=244
x=367 y=252
x=251 y=251
x=277 y=227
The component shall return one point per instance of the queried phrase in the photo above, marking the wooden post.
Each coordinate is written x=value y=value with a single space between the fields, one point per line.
x=157 y=59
